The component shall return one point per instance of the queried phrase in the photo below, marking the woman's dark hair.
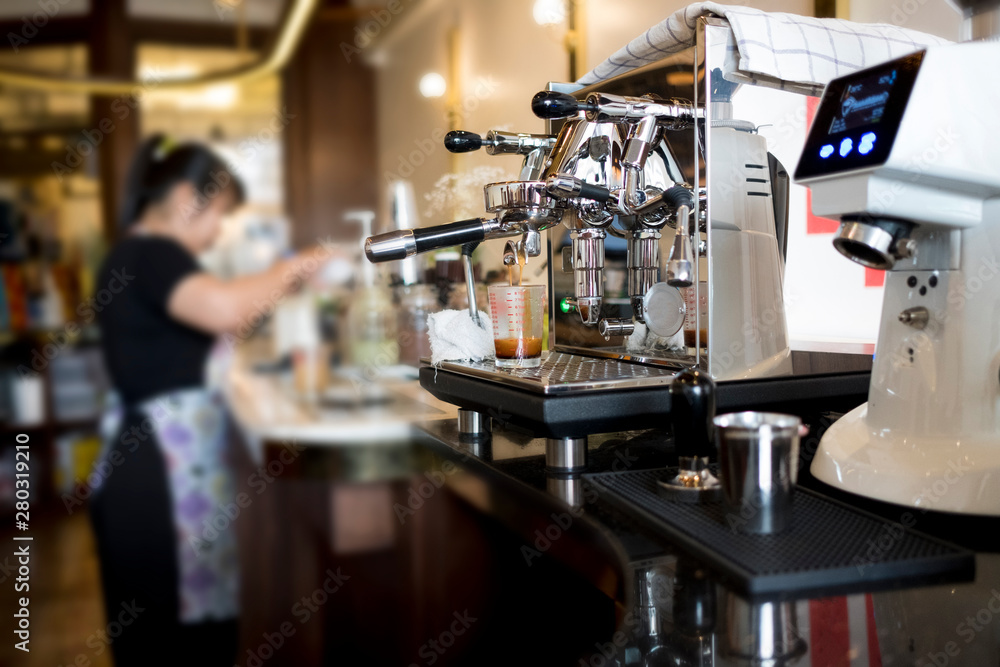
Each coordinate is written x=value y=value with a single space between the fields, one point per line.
x=160 y=164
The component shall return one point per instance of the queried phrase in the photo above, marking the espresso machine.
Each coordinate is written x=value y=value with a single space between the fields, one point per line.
x=666 y=220
x=905 y=155
x=622 y=167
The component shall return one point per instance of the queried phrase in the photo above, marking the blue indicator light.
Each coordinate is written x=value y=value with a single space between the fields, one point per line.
x=845 y=146
x=826 y=151
x=867 y=143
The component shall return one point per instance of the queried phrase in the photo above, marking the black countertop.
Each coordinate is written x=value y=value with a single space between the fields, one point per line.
x=673 y=609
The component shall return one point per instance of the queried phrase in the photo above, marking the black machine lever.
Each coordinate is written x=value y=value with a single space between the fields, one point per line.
x=552 y=105
x=460 y=141
x=569 y=187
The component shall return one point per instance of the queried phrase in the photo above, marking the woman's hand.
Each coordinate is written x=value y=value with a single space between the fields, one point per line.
x=216 y=306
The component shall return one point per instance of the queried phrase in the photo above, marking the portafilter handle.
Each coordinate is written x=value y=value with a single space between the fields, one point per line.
x=404 y=243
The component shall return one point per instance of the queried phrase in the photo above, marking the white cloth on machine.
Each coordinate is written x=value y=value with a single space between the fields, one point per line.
x=772 y=49
x=644 y=340
x=455 y=337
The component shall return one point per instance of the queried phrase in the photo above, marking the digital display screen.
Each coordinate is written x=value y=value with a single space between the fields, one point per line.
x=863 y=101
x=858 y=118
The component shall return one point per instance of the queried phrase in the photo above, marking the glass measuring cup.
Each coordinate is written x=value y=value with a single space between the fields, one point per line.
x=518 y=314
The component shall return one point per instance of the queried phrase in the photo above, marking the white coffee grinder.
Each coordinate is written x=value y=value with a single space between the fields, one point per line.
x=907 y=156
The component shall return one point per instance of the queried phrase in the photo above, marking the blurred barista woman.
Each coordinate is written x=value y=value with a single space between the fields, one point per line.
x=167 y=574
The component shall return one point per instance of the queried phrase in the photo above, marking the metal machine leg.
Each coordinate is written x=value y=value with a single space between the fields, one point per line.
x=473 y=424
x=566 y=454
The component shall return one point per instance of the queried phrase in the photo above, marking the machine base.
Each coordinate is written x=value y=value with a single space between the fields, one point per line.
x=927 y=473
x=571 y=396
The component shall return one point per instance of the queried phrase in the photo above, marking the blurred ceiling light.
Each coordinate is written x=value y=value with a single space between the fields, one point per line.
x=221 y=96
x=433 y=84
x=291 y=31
x=549 y=12
x=176 y=71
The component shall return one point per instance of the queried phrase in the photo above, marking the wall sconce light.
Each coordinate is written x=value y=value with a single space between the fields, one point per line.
x=552 y=13
x=433 y=84
x=549 y=12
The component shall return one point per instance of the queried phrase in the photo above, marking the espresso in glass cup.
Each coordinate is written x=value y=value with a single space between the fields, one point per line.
x=518 y=314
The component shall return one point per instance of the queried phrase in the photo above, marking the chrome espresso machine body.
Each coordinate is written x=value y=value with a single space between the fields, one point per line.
x=666 y=221
x=656 y=281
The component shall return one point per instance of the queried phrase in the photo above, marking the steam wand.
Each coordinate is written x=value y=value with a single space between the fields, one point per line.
x=470 y=280
x=680 y=264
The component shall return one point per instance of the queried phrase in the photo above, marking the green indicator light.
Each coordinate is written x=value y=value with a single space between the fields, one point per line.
x=565 y=306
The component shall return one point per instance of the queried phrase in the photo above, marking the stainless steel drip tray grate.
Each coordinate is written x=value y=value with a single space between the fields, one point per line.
x=565 y=373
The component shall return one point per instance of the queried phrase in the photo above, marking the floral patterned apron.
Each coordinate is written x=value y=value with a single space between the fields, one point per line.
x=190 y=429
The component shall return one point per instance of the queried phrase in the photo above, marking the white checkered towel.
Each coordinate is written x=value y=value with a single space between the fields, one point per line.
x=774 y=49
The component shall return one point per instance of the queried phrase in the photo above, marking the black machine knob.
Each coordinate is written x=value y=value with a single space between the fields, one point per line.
x=553 y=105
x=692 y=408
x=460 y=141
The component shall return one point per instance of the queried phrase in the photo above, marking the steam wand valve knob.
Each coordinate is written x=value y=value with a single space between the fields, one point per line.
x=460 y=141
x=692 y=408
x=552 y=105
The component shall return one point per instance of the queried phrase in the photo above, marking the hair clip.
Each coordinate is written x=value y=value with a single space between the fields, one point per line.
x=164 y=148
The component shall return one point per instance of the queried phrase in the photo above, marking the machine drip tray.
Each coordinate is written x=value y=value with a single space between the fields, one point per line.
x=572 y=395
x=831 y=548
x=562 y=373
